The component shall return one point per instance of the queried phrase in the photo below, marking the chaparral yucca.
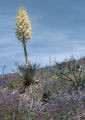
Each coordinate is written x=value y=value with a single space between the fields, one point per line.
x=23 y=29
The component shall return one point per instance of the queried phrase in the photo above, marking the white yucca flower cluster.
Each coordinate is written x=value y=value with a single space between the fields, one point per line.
x=23 y=25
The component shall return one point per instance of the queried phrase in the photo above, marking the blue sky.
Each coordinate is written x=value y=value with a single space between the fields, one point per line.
x=58 y=31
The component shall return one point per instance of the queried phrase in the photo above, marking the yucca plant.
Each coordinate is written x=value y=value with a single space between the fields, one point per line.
x=23 y=29
x=28 y=74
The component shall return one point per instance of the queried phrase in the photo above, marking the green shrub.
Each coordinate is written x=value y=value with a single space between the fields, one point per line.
x=14 y=83
x=11 y=83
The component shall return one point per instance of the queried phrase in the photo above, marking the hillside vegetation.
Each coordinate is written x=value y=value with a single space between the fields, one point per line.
x=50 y=93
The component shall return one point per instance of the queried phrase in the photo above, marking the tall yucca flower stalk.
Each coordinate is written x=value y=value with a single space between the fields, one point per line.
x=23 y=29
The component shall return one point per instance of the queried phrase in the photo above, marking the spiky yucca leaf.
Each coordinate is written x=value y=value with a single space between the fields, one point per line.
x=28 y=74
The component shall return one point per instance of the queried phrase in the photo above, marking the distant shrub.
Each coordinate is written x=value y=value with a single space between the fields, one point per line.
x=71 y=71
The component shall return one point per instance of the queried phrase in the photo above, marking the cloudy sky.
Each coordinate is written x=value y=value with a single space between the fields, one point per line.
x=58 y=31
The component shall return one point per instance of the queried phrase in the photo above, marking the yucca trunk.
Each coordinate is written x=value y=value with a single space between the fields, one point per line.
x=26 y=56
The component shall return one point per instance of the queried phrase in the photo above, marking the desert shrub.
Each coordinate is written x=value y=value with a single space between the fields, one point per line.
x=28 y=74
x=71 y=71
x=11 y=83
x=14 y=83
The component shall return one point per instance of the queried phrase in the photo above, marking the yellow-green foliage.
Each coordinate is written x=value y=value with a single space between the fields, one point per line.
x=14 y=83
x=23 y=29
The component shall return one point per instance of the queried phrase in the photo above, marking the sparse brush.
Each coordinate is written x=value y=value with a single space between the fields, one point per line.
x=71 y=71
